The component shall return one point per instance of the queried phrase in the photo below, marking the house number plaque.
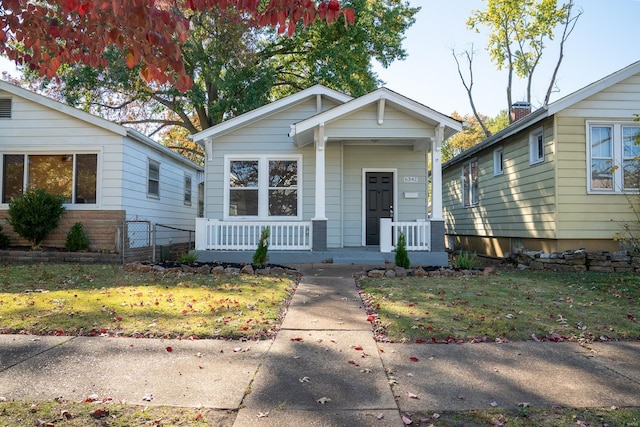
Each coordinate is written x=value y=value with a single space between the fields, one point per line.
x=410 y=179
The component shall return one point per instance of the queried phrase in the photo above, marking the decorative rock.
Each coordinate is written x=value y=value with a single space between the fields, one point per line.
x=218 y=270
x=419 y=272
x=263 y=271
x=232 y=271
x=390 y=273
x=401 y=272
x=204 y=269
x=488 y=271
x=247 y=269
x=278 y=271
x=376 y=273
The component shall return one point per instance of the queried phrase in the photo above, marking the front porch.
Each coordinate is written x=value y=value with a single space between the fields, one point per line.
x=344 y=256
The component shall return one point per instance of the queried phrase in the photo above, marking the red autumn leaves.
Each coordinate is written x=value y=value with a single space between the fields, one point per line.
x=148 y=32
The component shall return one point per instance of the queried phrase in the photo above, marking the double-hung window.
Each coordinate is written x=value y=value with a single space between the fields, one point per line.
x=614 y=157
x=262 y=187
x=536 y=146
x=153 y=179
x=469 y=180
x=72 y=176
x=187 y=189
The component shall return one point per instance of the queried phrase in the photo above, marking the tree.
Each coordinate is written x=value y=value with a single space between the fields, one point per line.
x=518 y=33
x=472 y=133
x=236 y=67
x=45 y=35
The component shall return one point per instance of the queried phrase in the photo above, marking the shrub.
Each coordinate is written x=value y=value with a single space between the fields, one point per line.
x=34 y=214
x=4 y=240
x=466 y=260
x=402 y=256
x=260 y=256
x=76 y=239
x=188 y=258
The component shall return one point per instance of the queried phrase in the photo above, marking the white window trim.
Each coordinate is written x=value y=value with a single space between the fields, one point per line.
x=263 y=187
x=498 y=161
x=534 y=159
x=618 y=156
x=464 y=192
x=152 y=195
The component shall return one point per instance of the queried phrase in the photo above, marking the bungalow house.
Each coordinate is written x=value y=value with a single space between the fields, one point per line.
x=108 y=174
x=334 y=179
x=558 y=179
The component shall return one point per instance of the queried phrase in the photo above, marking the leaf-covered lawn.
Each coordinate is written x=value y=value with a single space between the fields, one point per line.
x=95 y=300
x=511 y=305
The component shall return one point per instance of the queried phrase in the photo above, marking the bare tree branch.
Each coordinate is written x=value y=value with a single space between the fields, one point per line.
x=469 y=86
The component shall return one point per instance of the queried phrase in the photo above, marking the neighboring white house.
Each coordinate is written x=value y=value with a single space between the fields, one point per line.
x=107 y=173
x=326 y=173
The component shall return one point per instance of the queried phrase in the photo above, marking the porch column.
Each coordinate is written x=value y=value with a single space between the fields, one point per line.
x=436 y=174
x=319 y=221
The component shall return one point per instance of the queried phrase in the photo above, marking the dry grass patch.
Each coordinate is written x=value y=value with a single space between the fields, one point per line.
x=62 y=299
x=512 y=305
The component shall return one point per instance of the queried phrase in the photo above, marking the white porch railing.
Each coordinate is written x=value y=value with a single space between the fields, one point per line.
x=417 y=234
x=241 y=236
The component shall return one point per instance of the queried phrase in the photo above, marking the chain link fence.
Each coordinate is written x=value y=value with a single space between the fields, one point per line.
x=142 y=240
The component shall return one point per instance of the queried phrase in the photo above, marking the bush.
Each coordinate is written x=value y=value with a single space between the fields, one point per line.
x=34 y=214
x=4 y=240
x=402 y=256
x=76 y=239
x=466 y=261
x=188 y=258
x=260 y=256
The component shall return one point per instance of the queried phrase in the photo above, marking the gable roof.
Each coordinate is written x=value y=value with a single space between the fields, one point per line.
x=402 y=103
x=63 y=108
x=547 y=111
x=94 y=120
x=267 y=110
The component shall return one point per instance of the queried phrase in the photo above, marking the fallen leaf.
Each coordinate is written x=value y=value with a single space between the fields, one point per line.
x=358 y=348
x=263 y=414
x=407 y=421
x=296 y=339
x=414 y=359
x=323 y=400
x=494 y=404
x=380 y=416
x=100 y=413
x=412 y=395
x=365 y=371
x=524 y=404
x=169 y=349
x=435 y=416
x=304 y=379
x=147 y=397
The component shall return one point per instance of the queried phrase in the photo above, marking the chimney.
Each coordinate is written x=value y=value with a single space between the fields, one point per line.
x=519 y=110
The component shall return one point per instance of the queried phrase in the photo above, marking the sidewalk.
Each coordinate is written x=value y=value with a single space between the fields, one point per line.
x=324 y=352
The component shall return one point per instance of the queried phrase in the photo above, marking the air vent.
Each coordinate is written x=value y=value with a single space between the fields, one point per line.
x=5 y=108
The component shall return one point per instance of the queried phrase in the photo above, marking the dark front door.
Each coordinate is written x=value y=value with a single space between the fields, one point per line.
x=379 y=203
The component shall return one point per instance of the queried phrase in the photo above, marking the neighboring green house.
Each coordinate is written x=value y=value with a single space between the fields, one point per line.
x=333 y=177
x=560 y=178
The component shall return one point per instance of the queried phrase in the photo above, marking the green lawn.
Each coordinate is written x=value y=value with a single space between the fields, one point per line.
x=61 y=299
x=511 y=305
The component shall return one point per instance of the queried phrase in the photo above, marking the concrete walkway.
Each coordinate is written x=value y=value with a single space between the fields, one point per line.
x=323 y=369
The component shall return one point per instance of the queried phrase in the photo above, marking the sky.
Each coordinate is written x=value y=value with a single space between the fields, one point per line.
x=606 y=39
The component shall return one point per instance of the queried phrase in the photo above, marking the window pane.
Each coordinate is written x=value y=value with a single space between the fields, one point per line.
x=187 y=189
x=86 y=177
x=12 y=176
x=540 y=144
x=243 y=202
x=601 y=145
x=631 y=136
x=52 y=173
x=474 y=182
x=283 y=202
x=631 y=174
x=153 y=187
x=466 y=200
x=601 y=174
x=283 y=173
x=243 y=174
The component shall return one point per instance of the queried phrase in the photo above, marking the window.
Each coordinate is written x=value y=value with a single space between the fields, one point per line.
x=187 y=190
x=470 y=183
x=536 y=146
x=263 y=187
x=613 y=157
x=498 y=161
x=72 y=176
x=153 y=186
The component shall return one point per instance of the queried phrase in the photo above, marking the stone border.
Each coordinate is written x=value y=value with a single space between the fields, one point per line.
x=577 y=260
x=426 y=272
x=215 y=269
